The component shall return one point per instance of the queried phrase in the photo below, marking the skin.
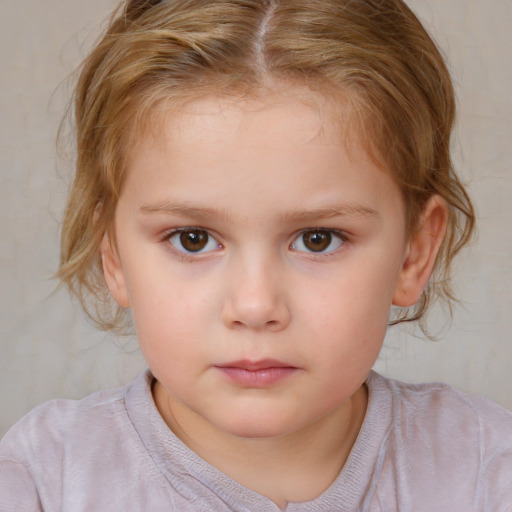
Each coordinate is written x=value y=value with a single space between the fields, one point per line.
x=254 y=176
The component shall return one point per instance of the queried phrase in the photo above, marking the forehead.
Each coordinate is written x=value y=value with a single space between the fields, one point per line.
x=257 y=157
x=252 y=122
x=288 y=123
x=317 y=118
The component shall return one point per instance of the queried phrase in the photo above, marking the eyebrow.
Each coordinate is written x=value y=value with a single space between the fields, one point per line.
x=169 y=208
x=354 y=211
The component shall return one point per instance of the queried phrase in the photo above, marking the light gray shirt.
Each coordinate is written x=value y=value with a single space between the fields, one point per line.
x=422 y=448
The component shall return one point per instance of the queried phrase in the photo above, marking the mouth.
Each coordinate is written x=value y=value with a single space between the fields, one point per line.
x=257 y=374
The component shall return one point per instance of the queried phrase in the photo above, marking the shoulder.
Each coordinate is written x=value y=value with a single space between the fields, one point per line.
x=436 y=405
x=57 y=418
x=62 y=449
x=54 y=422
x=456 y=443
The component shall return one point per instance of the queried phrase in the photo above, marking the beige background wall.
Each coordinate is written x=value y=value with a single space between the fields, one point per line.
x=47 y=350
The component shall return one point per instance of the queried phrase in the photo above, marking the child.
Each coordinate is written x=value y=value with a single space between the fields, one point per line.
x=257 y=183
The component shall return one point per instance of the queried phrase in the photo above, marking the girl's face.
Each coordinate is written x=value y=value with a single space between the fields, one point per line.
x=260 y=255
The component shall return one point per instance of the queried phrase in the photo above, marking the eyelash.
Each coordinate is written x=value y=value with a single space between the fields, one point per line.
x=341 y=235
x=193 y=255
x=184 y=254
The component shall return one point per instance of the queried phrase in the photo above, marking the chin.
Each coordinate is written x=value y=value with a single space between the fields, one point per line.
x=256 y=429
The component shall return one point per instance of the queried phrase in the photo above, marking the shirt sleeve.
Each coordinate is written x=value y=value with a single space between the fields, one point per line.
x=496 y=438
x=499 y=488
x=17 y=489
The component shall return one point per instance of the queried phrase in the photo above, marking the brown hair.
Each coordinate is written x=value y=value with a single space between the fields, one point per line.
x=375 y=52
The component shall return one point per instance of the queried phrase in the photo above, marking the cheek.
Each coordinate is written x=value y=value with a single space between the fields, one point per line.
x=171 y=334
x=348 y=314
x=358 y=296
x=168 y=308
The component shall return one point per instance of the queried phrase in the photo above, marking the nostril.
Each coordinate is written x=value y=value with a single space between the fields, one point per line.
x=271 y=324
x=257 y=315
x=274 y=325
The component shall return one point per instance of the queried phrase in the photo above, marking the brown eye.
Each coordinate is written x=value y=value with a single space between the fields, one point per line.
x=193 y=241
x=318 y=241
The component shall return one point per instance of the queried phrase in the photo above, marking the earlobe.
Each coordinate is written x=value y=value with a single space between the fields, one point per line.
x=421 y=253
x=113 y=272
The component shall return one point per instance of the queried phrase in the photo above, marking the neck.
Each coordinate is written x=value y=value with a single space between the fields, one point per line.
x=292 y=468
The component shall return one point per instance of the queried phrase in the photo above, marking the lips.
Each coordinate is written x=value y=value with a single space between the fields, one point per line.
x=257 y=374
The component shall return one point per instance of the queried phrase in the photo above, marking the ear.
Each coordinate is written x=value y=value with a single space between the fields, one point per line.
x=113 y=272
x=421 y=253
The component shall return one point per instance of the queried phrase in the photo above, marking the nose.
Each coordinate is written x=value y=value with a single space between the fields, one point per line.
x=256 y=298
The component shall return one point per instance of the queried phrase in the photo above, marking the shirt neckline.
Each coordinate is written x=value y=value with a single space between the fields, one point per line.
x=191 y=475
